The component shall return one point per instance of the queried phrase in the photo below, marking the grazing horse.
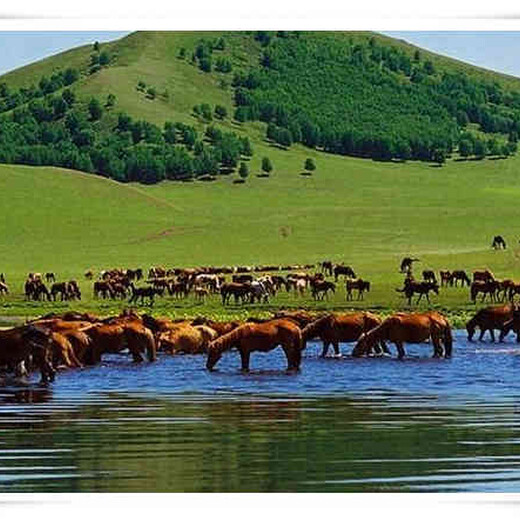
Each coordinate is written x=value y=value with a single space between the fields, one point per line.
x=61 y=288
x=30 y=341
x=345 y=270
x=322 y=287
x=486 y=288
x=326 y=267
x=445 y=277
x=489 y=319
x=117 y=335
x=104 y=288
x=360 y=285
x=406 y=264
x=50 y=277
x=188 y=339
x=429 y=276
x=498 y=242
x=4 y=289
x=403 y=328
x=332 y=329
x=421 y=288
x=144 y=292
x=483 y=276
x=459 y=275
x=261 y=337
x=240 y=291
x=504 y=289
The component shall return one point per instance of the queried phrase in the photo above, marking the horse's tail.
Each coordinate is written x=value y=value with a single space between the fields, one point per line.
x=314 y=328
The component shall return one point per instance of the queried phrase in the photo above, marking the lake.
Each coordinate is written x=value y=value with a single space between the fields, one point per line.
x=347 y=424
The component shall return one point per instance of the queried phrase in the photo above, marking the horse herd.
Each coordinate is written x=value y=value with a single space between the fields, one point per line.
x=72 y=340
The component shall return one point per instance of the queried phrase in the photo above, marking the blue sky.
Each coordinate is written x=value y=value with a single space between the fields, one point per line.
x=22 y=48
x=498 y=51
x=494 y=50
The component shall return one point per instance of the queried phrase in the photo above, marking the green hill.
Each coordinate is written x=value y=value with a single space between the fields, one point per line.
x=364 y=212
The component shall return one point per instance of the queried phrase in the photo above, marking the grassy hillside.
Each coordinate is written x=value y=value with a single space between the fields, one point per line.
x=366 y=213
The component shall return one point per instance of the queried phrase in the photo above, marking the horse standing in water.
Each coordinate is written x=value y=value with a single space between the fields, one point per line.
x=403 y=328
x=259 y=337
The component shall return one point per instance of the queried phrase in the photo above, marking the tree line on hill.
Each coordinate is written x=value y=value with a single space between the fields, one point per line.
x=362 y=98
x=59 y=130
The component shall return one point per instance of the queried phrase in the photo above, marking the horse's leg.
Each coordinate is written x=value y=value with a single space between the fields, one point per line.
x=244 y=358
x=400 y=349
x=337 y=352
x=492 y=333
x=325 y=349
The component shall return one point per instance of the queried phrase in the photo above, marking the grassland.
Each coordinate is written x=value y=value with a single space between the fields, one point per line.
x=368 y=214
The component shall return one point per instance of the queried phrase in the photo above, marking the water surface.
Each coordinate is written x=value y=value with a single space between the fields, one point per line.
x=345 y=424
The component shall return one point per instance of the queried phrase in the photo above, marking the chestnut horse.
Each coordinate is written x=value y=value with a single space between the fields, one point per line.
x=187 y=339
x=489 y=319
x=335 y=328
x=403 y=328
x=259 y=337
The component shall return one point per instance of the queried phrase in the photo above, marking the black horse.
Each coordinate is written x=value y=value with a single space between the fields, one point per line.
x=406 y=264
x=498 y=242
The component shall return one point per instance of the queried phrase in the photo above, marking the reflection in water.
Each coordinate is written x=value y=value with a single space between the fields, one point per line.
x=340 y=425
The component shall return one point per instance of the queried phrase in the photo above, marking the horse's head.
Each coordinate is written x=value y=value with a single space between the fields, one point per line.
x=361 y=346
x=214 y=354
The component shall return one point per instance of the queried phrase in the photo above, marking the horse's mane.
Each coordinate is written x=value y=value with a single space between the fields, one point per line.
x=227 y=341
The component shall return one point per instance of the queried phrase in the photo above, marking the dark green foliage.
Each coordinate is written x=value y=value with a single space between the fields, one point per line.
x=205 y=64
x=111 y=101
x=170 y=133
x=309 y=165
x=182 y=53
x=141 y=86
x=151 y=93
x=220 y=112
x=223 y=65
x=104 y=59
x=243 y=171
x=96 y=46
x=95 y=109
x=466 y=147
x=267 y=166
x=365 y=98
x=203 y=111
x=480 y=149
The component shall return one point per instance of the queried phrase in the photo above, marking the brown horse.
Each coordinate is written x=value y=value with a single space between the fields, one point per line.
x=187 y=339
x=240 y=291
x=320 y=289
x=220 y=327
x=489 y=319
x=483 y=276
x=332 y=329
x=4 y=289
x=421 y=288
x=360 y=285
x=344 y=270
x=403 y=328
x=445 y=278
x=261 y=337
x=461 y=276
x=115 y=337
x=30 y=341
x=486 y=288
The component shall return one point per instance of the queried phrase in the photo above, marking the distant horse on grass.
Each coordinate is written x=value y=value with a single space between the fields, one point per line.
x=498 y=242
x=360 y=285
x=488 y=288
x=461 y=276
x=259 y=337
x=421 y=288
